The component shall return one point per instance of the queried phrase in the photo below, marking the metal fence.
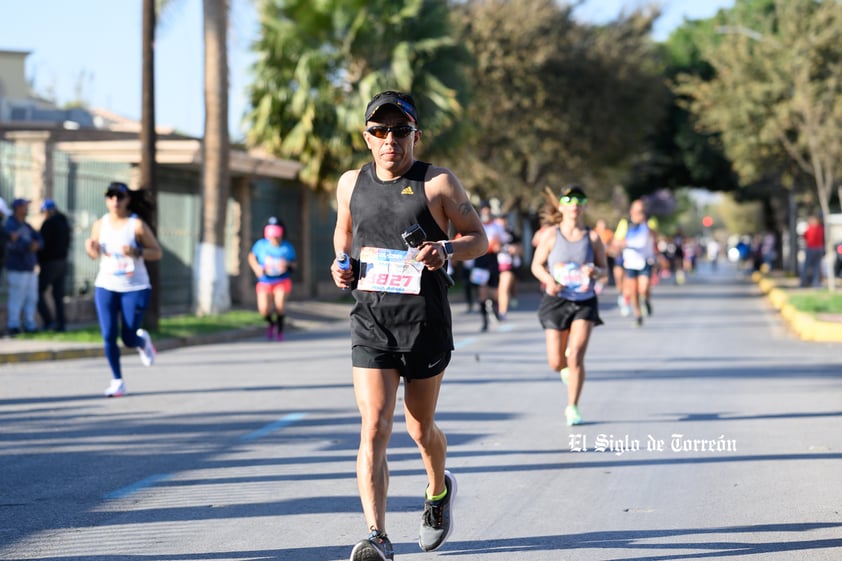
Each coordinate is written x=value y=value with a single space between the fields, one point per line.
x=77 y=187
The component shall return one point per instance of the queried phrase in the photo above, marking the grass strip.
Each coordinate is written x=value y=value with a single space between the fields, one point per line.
x=169 y=327
x=816 y=301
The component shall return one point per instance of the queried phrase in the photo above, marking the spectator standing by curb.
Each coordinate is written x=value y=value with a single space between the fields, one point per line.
x=22 y=246
x=811 y=270
x=5 y=212
x=52 y=259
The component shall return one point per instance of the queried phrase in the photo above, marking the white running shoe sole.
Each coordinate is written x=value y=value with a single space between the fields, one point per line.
x=147 y=352
x=116 y=389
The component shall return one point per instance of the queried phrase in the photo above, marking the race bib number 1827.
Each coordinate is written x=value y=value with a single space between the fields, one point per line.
x=389 y=270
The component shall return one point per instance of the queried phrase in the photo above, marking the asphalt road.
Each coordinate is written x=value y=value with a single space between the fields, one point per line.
x=711 y=433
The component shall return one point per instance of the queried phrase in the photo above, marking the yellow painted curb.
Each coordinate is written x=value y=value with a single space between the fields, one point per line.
x=30 y=356
x=765 y=285
x=826 y=332
x=39 y=356
x=805 y=325
x=788 y=311
x=801 y=323
x=778 y=298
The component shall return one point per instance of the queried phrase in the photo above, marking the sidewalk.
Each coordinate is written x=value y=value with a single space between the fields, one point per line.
x=304 y=315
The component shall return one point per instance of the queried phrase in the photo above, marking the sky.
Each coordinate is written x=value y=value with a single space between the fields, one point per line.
x=90 y=50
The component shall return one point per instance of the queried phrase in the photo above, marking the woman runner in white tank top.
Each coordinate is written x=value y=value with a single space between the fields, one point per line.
x=122 y=241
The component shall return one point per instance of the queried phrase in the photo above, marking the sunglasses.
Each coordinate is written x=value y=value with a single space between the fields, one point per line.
x=573 y=200
x=401 y=131
x=116 y=194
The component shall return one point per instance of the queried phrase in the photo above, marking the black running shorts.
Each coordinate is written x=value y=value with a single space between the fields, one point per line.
x=558 y=313
x=410 y=365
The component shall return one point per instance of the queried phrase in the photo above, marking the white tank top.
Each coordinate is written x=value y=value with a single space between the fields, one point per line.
x=118 y=272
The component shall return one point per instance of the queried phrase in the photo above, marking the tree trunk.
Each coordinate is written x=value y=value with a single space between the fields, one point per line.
x=148 y=179
x=210 y=274
x=829 y=244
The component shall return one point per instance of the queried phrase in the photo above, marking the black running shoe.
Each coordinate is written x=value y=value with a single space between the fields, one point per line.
x=376 y=547
x=437 y=521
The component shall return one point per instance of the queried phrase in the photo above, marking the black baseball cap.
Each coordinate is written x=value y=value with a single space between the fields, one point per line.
x=117 y=187
x=402 y=101
x=574 y=191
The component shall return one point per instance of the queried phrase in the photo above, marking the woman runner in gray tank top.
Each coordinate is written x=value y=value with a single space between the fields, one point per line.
x=569 y=260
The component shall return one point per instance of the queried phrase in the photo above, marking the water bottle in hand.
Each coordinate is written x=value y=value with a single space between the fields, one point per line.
x=344 y=262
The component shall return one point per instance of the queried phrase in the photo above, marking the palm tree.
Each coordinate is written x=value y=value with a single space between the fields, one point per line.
x=210 y=276
x=148 y=180
x=320 y=63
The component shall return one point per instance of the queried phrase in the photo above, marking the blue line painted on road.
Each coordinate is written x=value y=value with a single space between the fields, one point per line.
x=140 y=485
x=464 y=342
x=503 y=328
x=284 y=421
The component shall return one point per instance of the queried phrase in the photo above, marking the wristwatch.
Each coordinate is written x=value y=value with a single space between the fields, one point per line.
x=448 y=249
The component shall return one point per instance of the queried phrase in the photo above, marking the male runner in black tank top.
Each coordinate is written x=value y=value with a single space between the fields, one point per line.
x=400 y=323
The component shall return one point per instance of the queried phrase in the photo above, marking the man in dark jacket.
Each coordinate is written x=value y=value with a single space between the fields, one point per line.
x=22 y=248
x=52 y=258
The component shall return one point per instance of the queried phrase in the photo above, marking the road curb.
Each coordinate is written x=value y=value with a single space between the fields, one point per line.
x=45 y=355
x=304 y=316
x=806 y=326
x=97 y=351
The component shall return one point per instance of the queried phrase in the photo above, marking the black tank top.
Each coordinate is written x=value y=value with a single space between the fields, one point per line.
x=380 y=212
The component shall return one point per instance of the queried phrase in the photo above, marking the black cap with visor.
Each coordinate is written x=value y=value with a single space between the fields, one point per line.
x=403 y=102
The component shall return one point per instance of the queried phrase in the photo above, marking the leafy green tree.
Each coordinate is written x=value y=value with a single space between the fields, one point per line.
x=321 y=62
x=554 y=101
x=740 y=216
x=776 y=95
x=679 y=155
